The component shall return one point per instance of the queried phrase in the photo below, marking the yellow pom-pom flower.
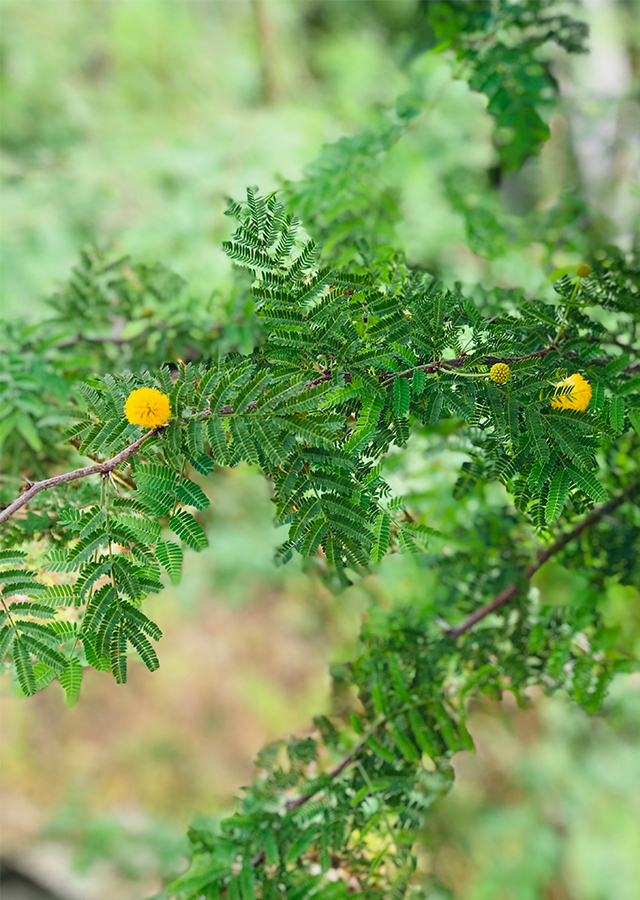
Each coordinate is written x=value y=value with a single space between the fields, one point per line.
x=147 y=407
x=500 y=373
x=577 y=398
x=583 y=270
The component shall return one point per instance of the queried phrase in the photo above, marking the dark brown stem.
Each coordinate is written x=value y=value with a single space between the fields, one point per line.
x=333 y=773
x=102 y=468
x=506 y=595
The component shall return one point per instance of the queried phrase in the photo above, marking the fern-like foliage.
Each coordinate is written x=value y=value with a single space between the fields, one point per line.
x=348 y=367
x=366 y=779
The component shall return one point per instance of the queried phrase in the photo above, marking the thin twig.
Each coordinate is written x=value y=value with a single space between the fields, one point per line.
x=508 y=594
x=108 y=466
x=340 y=767
x=330 y=775
x=459 y=361
x=103 y=468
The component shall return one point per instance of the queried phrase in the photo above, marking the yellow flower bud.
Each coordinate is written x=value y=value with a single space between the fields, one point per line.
x=147 y=407
x=500 y=373
x=577 y=398
x=583 y=270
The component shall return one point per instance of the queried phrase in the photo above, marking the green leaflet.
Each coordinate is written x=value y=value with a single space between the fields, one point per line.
x=143 y=528
x=272 y=854
x=314 y=537
x=137 y=621
x=366 y=424
x=447 y=728
x=60 y=595
x=243 y=441
x=87 y=547
x=432 y=406
x=71 y=681
x=186 y=527
x=248 y=881
x=616 y=414
x=143 y=646
x=401 y=396
x=571 y=444
x=457 y=404
x=588 y=482
x=125 y=577
x=202 y=463
x=218 y=439
x=101 y=663
x=104 y=599
x=170 y=556
x=425 y=740
x=597 y=399
x=381 y=536
x=536 y=430
x=191 y=494
x=418 y=382
x=24 y=668
x=195 y=433
x=44 y=675
x=118 y=653
x=496 y=404
x=17 y=588
x=301 y=844
x=399 y=680
x=404 y=743
x=406 y=542
x=380 y=750
x=270 y=441
x=39 y=631
x=513 y=418
x=7 y=635
x=558 y=489
x=11 y=558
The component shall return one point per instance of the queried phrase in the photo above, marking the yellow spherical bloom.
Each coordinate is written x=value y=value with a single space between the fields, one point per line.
x=147 y=407
x=583 y=270
x=500 y=373
x=577 y=398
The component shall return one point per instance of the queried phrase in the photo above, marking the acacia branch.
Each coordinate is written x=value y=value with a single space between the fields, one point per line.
x=499 y=600
x=506 y=595
x=330 y=775
x=337 y=769
x=103 y=468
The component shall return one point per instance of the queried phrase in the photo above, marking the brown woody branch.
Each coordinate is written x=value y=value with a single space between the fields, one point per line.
x=500 y=600
x=103 y=468
x=436 y=365
x=508 y=594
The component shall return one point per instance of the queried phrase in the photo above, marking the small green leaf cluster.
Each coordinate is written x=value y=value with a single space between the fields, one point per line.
x=500 y=44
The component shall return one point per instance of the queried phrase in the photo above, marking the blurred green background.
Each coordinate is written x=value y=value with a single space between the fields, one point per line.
x=125 y=123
